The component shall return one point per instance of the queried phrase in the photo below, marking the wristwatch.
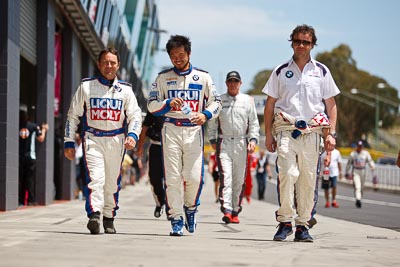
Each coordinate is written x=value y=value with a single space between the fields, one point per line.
x=333 y=134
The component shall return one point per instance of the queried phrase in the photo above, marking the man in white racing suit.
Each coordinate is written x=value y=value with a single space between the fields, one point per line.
x=298 y=93
x=176 y=91
x=106 y=106
x=356 y=168
x=233 y=135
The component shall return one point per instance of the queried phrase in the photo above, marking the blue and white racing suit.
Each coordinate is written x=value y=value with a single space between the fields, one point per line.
x=182 y=141
x=106 y=108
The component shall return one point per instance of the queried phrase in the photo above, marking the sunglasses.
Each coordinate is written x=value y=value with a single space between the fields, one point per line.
x=298 y=42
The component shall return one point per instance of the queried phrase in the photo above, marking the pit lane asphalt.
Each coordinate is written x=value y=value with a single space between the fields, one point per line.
x=56 y=235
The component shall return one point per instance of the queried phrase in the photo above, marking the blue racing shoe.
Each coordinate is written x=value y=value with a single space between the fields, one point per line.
x=284 y=230
x=177 y=227
x=190 y=223
x=302 y=234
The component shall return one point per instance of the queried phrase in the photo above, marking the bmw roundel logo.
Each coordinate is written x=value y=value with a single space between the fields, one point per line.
x=289 y=74
x=195 y=77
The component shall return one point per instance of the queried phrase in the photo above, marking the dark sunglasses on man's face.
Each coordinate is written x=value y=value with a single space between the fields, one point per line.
x=298 y=42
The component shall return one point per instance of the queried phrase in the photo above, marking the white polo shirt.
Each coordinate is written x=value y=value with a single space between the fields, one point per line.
x=300 y=94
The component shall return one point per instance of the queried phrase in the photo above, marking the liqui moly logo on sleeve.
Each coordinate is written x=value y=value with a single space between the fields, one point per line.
x=191 y=97
x=105 y=109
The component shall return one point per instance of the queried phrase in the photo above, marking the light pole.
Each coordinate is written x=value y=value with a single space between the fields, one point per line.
x=379 y=86
x=378 y=99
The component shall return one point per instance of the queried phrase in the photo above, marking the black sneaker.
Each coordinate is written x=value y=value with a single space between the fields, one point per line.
x=108 y=224
x=94 y=223
x=302 y=234
x=158 y=211
x=358 y=203
x=284 y=230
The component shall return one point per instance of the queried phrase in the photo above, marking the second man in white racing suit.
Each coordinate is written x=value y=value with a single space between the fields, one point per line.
x=234 y=134
x=176 y=91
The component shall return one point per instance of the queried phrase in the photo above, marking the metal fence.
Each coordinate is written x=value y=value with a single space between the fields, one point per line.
x=388 y=176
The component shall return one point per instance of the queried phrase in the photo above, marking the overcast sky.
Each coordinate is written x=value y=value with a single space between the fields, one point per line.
x=252 y=35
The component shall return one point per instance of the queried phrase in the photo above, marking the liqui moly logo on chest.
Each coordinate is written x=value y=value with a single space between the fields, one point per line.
x=191 y=97
x=105 y=109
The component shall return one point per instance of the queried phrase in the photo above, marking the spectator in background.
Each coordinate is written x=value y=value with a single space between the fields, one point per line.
x=262 y=170
x=356 y=168
x=136 y=167
x=151 y=128
x=79 y=166
x=398 y=160
x=29 y=133
x=335 y=171
x=251 y=165
x=213 y=170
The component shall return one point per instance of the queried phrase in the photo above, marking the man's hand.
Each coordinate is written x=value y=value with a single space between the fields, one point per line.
x=329 y=143
x=270 y=143
x=176 y=103
x=69 y=153
x=327 y=159
x=130 y=143
x=251 y=147
x=45 y=127
x=198 y=118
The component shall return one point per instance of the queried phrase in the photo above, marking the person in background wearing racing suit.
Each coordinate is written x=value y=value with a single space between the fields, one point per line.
x=355 y=168
x=213 y=170
x=294 y=121
x=151 y=128
x=187 y=98
x=106 y=106
x=233 y=135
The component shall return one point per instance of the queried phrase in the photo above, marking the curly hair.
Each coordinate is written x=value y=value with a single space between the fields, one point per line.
x=305 y=29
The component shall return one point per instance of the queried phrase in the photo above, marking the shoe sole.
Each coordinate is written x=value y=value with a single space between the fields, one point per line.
x=303 y=240
x=175 y=234
x=190 y=230
x=94 y=227
x=110 y=231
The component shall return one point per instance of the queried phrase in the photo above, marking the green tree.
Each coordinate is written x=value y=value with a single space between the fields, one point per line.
x=355 y=117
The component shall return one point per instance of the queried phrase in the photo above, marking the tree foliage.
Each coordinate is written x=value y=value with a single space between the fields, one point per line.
x=354 y=117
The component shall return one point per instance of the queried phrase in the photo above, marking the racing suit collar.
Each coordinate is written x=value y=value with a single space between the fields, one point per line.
x=106 y=82
x=185 y=72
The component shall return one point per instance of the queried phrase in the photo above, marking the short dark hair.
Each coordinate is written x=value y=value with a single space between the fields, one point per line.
x=111 y=50
x=304 y=29
x=178 y=41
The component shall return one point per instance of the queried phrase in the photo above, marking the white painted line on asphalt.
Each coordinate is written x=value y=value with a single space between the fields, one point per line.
x=364 y=200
